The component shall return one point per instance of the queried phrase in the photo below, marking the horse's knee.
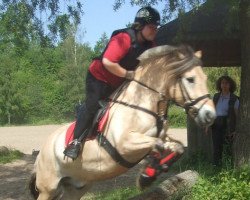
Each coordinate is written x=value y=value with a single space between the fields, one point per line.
x=178 y=148
x=174 y=147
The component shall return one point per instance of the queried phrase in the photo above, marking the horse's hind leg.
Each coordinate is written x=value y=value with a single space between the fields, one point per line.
x=48 y=188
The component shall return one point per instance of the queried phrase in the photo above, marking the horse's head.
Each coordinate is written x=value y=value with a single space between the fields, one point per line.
x=184 y=80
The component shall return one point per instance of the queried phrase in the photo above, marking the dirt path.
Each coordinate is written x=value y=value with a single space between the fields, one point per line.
x=14 y=176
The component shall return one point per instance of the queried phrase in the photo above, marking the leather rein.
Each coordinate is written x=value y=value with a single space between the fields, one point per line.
x=161 y=117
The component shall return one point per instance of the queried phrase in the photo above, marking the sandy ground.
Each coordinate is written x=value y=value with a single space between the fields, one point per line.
x=14 y=176
x=27 y=138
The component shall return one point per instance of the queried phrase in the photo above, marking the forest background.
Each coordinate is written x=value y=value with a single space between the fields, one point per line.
x=42 y=78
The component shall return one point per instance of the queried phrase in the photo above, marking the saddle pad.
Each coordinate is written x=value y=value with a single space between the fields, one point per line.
x=69 y=134
x=103 y=121
x=96 y=129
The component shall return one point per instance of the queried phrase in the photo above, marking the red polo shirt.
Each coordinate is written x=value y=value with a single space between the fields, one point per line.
x=117 y=48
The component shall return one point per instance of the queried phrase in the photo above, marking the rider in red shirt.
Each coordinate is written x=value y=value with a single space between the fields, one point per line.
x=117 y=63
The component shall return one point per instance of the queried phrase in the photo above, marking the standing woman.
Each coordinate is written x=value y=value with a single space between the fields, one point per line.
x=223 y=129
x=107 y=72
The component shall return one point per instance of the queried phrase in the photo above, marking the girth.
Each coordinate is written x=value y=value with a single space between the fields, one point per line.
x=102 y=140
x=160 y=117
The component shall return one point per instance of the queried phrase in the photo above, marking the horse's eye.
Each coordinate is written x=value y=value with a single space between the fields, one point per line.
x=190 y=79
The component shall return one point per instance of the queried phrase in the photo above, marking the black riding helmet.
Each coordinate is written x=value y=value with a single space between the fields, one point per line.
x=147 y=15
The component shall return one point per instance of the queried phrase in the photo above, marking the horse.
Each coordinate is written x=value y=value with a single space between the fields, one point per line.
x=135 y=127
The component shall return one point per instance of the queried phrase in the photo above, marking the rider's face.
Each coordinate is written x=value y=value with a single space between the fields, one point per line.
x=149 y=31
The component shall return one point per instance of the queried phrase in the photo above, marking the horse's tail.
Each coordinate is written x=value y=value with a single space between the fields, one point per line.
x=32 y=186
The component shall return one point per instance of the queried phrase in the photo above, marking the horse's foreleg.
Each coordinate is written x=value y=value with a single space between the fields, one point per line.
x=173 y=145
x=164 y=154
x=136 y=145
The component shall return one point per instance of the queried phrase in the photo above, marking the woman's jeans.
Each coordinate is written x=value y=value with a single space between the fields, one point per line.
x=95 y=90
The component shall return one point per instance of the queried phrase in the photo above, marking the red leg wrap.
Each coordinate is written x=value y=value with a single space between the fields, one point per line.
x=150 y=171
x=168 y=158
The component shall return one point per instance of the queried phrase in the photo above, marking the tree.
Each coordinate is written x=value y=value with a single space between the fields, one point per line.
x=27 y=17
x=100 y=45
x=242 y=145
x=242 y=9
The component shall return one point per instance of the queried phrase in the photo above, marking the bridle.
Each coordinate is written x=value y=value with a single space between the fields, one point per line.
x=189 y=103
x=161 y=118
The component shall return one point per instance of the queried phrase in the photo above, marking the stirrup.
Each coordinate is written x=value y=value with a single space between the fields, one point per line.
x=73 y=149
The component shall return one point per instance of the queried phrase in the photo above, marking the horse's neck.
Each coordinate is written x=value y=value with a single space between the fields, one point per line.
x=137 y=94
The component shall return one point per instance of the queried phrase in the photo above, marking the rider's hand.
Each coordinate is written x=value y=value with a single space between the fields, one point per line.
x=130 y=75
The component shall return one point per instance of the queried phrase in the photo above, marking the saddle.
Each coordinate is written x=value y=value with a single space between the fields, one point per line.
x=97 y=127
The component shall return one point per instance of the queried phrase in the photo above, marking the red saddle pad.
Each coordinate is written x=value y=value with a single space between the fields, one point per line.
x=101 y=125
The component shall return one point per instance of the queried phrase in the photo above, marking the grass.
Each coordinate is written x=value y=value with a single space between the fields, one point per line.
x=8 y=156
x=217 y=183
x=177 y=117
x=117 y=194
x=225 y=183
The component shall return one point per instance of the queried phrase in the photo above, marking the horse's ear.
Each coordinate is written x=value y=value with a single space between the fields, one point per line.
x=198 y=54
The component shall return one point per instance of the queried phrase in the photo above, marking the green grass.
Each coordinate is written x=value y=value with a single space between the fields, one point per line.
x=9 y=156
x=116 y=194
x=225 y=183
x=177 y=117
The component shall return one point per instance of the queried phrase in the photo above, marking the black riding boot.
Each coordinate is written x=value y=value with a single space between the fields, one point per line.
x=73 y=149
x=80 y=134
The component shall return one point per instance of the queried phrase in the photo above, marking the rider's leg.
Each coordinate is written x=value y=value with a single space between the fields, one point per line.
x=95 y=91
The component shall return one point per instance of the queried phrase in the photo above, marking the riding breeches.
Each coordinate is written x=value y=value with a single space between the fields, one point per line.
x=95 y=90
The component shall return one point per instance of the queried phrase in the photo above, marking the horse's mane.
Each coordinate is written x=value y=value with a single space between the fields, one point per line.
x=175 y=59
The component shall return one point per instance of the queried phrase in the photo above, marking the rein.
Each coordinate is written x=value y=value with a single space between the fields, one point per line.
x=160 y=116
x=152 y=89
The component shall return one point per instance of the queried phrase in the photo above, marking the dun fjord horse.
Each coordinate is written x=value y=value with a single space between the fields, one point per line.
x=136 y=125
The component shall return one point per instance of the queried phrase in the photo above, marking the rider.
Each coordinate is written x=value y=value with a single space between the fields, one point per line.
x=117 y=63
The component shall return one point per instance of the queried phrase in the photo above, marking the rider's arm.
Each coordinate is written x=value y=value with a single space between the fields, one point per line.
x=117 y=49
x=114 y=68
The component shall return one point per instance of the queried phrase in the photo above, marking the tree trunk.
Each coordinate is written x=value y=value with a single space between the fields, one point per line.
x=199 y=140
x=242 y=142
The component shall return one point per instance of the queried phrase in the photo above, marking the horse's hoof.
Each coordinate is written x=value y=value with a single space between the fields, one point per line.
x=144 y=181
